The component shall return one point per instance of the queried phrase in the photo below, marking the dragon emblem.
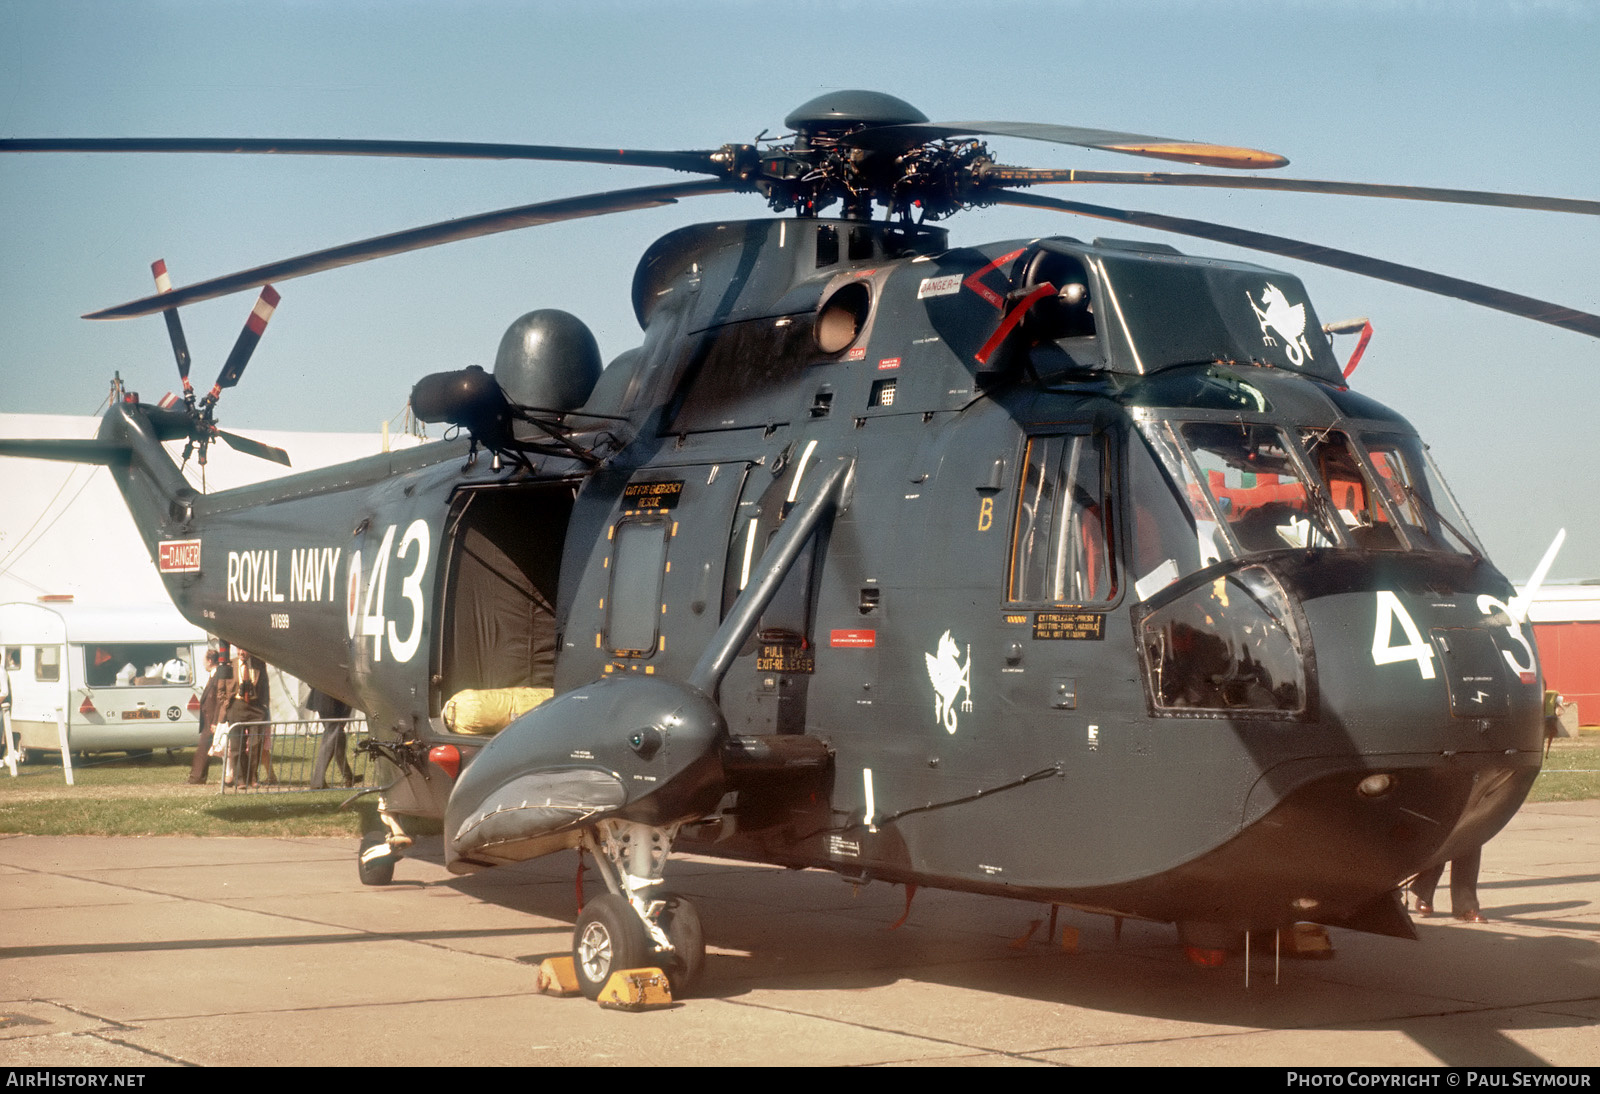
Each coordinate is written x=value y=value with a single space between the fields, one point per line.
x=950 y=677
x=1289 y=320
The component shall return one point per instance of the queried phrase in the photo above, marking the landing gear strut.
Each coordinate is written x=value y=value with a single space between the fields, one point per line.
x=380 y=850
x=636 y=923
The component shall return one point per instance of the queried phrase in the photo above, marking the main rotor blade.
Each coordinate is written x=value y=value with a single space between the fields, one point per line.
x=1525 y=306
x=254 y=448
x=414 y=239
x=455 y=150
x=1109 y=140
x=1026 y=176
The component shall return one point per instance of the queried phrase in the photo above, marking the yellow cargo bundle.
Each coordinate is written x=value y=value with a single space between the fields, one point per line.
x=486 y=711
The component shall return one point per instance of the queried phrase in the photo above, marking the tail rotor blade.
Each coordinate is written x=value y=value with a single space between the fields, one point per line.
x=180 y=345
x=254 y=448
x=266 y=304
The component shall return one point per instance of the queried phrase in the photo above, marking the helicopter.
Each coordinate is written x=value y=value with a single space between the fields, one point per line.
x=1064 y=571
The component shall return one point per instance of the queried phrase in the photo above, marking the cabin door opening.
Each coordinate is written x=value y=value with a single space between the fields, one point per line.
x=499 y=627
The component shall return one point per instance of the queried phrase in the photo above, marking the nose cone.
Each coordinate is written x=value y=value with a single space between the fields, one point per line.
x=1427 y=739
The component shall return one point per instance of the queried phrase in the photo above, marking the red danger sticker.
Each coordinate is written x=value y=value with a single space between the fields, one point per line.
x=853 y=639
x=178 y=556
x=889 y=362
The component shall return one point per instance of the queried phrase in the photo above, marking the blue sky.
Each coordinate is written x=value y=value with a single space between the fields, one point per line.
x=1486 y=95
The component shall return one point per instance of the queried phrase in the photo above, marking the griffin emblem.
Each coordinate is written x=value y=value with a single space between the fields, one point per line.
x=950 y=677
x=1289 y=320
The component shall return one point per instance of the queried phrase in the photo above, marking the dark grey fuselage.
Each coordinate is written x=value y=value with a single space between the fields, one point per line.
x=978 y=734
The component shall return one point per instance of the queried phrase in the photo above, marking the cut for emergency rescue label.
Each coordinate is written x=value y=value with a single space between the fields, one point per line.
x=652 y=495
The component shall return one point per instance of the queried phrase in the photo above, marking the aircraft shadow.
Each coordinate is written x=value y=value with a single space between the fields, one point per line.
x=1457 y=993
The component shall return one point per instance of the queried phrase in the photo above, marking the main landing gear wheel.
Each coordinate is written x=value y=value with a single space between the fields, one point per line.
x=376 y=859
x=609 y=936
x=680 y=922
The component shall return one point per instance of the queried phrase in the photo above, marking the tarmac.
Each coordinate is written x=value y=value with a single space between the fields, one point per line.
x=135 y=953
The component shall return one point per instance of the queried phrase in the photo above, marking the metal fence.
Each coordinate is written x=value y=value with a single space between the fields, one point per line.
x=294 y=757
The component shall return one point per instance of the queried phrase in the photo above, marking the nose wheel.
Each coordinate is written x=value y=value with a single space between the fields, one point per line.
x=609 y=936
x=680 y=922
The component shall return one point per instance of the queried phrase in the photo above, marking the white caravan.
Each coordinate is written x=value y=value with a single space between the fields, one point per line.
x=125 y=678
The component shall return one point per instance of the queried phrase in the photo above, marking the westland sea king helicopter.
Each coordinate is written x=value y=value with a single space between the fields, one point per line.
x=1072 y=572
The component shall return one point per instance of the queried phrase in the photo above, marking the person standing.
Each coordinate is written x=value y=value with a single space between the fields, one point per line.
x=1463 y=887
x=332 y=746
x=8 y=746
x=210 y=709
x=247 y=715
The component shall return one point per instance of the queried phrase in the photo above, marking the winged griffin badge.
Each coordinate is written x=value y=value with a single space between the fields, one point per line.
x=1289 y=320
x=950 y=677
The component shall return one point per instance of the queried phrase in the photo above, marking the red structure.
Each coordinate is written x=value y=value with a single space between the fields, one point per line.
x=1566 y=626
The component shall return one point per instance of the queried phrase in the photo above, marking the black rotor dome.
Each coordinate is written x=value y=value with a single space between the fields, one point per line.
x=849 y=109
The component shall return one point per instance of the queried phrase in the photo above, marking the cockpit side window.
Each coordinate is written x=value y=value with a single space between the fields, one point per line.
x=1165 y=539
x=1418 y=494
x=1062 y=545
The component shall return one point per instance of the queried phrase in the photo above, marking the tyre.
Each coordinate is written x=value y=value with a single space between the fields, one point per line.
x=680 y=920
x=376 y=859
x=608 y=936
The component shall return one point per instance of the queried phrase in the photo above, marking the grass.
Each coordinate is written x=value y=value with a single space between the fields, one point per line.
x=1571 y=770
x=118 y=796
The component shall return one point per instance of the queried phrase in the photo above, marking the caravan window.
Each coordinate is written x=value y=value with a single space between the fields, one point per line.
x=47 y=664
x=120 y=664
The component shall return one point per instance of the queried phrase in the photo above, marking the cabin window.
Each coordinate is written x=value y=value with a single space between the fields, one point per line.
x=633 y=604
x=1427 y=512
x=1061 y=542
x=124 y=664
x=47 y=664
x=1225 y=646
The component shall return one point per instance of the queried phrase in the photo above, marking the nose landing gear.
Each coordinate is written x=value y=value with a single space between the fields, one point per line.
x=629 y=927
